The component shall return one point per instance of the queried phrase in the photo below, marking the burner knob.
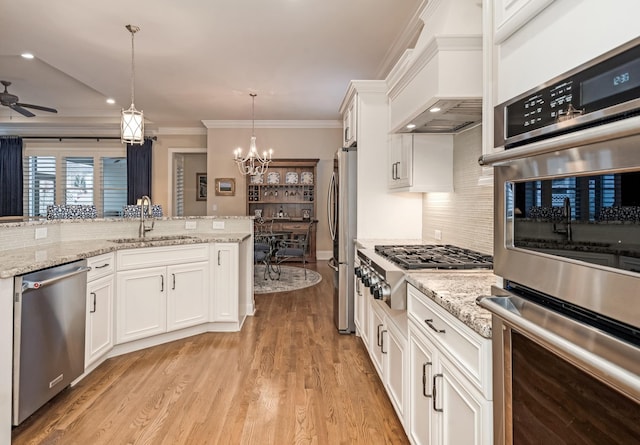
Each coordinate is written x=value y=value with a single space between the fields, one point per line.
x=384 y=290
x=374 y=280
x=377 y=291
x=358 y=271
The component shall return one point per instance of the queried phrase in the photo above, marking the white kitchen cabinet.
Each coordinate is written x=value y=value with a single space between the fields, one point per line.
x=141 y=302
x=99 y=322
x=387 y=346
x=100 y=297
x=188 y=295
x=449 y=378
x=349 y=123
x=172 y=295
x=224 y=266
x=420 y=163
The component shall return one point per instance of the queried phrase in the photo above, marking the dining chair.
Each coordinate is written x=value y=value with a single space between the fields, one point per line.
x=293 y=249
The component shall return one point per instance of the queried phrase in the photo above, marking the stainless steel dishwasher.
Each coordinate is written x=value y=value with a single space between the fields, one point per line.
x=48 y=337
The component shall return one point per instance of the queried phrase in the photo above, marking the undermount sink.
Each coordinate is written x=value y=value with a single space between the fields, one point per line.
x=148 y=239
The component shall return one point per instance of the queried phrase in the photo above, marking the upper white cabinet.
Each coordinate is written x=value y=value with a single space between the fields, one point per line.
x=350 y=123
x=511 y=15
x=420 y=163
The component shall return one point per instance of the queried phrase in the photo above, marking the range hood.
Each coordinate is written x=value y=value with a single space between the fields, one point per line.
x=442 y=72
x=446 y=116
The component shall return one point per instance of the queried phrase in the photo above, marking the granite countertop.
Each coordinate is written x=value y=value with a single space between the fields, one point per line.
x=456 y=292
x=20 y=261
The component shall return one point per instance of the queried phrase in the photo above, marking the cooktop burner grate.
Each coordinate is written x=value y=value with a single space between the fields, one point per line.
x=437 y=256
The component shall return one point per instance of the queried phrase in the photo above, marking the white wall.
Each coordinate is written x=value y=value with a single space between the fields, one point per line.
x=465 y=216
x=320 y=143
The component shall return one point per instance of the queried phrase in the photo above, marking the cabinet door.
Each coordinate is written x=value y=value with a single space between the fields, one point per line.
x=377 y=334
x=141 y=303
x=99 y=324
x=188 y=295
x=349 y=124
x=466 y=416
x=421 y=366
x=395 y=346
x=224 y=266
x=361 y=309
x=400 y=160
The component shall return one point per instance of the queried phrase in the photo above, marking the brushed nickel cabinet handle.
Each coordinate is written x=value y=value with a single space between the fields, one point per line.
x=424 y=379
x=382 y=341
x=161 y=283
x=433 y=391
x=94 y=303
x=379 y=342
x=102 y=267
x=429 y=323
x=174 y=281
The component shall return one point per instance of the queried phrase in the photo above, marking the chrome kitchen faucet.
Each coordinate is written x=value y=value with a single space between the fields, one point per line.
x=143 y=226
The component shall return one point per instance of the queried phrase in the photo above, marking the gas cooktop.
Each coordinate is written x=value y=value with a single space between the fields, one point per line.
x=434 y=256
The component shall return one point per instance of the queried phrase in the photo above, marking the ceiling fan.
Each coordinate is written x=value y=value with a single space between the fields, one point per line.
x=10 y=100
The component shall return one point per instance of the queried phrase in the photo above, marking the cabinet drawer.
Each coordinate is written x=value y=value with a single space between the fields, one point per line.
x=101 y=266
x=300 y=227
x=161 y=256
x=461 y=344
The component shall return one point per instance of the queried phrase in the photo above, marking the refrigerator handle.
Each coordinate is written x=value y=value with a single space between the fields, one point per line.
x=333 y=264
x=331 y=209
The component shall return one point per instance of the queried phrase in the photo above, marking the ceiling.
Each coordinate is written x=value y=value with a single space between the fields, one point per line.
x=198 y=59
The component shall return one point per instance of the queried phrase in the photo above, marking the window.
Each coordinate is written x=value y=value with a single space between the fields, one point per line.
x=90 y=174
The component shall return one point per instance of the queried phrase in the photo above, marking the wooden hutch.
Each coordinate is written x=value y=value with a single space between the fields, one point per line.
x=285 y=197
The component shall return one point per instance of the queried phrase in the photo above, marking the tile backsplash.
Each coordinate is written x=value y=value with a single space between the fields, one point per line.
x=464 y=217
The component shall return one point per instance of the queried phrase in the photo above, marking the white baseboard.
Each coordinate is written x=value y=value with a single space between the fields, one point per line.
x=324 y=254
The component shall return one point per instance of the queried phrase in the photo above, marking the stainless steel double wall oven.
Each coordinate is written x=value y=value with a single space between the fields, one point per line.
x=566 y=324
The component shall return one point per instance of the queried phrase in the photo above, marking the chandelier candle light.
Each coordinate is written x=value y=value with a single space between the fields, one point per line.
x=132 y=122
x=252 y=164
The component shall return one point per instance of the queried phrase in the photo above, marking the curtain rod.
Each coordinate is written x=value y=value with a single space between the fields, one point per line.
x=97 y=138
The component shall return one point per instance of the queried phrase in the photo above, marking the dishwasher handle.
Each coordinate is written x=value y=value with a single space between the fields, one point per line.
x=38 y=284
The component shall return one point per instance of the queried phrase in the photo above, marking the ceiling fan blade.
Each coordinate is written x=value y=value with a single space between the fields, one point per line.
x=21 y=110
x=38 y=107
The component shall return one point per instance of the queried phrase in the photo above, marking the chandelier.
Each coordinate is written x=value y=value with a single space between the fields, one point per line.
x=132 y=120
x=252 y=164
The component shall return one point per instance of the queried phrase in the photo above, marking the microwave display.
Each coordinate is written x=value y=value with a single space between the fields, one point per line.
x=594 y=219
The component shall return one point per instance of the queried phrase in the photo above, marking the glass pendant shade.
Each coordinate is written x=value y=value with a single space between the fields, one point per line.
x=132 y=126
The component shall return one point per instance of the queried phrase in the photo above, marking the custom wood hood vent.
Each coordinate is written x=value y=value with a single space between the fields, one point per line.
x=447 y=116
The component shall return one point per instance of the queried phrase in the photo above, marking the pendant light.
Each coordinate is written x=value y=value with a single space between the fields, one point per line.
x=252 y=164
x=132 y=121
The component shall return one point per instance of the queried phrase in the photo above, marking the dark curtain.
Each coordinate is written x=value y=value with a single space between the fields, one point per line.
x=138 y=171
x=10 y=176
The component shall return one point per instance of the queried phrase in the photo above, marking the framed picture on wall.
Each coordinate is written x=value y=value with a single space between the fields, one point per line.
x=201 y=186
x=225 y=186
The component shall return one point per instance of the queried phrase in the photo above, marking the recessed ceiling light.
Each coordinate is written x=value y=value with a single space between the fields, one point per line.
x=111 y=101
x=411 y=126
x=434 y=109
x=27 y=55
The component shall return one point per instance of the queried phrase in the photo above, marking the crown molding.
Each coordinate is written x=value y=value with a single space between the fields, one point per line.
x=273 y=124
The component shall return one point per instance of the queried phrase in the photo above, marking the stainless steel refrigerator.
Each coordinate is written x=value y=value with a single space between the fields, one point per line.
x=341 y=211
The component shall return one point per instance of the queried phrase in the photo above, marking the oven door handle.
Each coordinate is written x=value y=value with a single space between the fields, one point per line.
x=592 y=350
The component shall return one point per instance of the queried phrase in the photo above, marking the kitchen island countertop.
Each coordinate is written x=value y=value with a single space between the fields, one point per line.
x=20 y=261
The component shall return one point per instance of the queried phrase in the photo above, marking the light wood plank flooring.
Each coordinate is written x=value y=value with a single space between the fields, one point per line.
x=287 y=378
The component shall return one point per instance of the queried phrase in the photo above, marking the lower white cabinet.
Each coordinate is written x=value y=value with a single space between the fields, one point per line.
x=187 y=295
x=387 y=346
x=99 y=324
x=225 y=276
x=141 y=303
x=99 y=318
x=447 y=403
x=172 y=295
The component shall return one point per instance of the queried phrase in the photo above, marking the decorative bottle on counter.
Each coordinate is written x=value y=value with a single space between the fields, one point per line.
x=280 y=212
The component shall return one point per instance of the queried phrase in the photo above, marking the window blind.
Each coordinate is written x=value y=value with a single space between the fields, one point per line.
x=39 y=176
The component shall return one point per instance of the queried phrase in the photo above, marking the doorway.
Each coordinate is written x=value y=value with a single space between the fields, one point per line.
x=188 y=168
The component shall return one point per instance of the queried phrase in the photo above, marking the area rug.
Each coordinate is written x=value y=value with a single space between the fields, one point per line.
x=291 y=278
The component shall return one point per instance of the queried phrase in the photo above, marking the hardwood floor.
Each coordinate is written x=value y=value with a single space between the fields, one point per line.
x=287 y=378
